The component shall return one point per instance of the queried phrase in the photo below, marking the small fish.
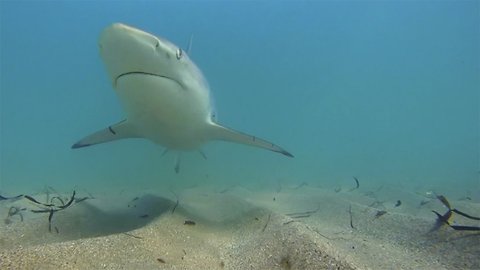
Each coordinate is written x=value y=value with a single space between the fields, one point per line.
x=423 y=202
x=301 y=185
x=160 y=260
x=380 y=213
x=357 y=184
x=444 y=201
x=223 y=190
x=189 y=222
x=144 y=216
x=398 y=203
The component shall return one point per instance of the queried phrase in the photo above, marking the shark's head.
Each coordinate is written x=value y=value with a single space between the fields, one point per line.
x=127 y=50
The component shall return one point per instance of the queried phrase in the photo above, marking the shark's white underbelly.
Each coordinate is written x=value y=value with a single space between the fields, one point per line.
x=162 y=111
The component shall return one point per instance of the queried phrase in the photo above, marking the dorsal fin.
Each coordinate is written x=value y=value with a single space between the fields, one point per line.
x=189 y=45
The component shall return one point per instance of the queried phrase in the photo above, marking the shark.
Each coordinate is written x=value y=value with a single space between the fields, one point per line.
x=165 y=97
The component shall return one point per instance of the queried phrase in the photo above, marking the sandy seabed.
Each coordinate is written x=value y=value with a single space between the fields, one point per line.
x=298 y=227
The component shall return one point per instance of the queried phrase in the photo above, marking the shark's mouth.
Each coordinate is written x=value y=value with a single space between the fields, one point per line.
x=147 y=74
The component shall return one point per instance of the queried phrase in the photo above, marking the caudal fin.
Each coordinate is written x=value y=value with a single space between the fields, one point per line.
x=219 y=132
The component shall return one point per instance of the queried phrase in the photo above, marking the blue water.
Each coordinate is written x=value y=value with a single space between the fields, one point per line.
x=386 y=91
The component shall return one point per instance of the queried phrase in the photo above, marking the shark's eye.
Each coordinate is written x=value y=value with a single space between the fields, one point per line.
x=158 y=44
x=179 y=53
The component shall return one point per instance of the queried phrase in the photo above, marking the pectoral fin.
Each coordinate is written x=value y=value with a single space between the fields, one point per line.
x=219 y=132
x=114 y=132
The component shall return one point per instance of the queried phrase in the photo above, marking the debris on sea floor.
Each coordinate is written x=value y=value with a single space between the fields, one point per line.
x=51 y=205
x=445 y=218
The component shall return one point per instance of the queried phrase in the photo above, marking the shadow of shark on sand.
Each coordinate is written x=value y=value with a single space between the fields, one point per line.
x=90 y=219
x=107 y=215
